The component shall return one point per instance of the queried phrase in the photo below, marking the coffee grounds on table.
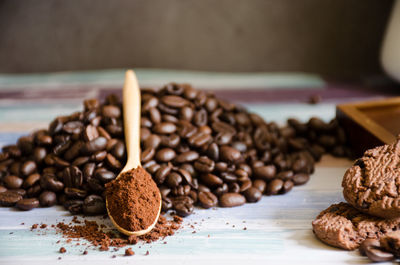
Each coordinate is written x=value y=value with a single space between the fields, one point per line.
x=133 y=200
x=98 y=237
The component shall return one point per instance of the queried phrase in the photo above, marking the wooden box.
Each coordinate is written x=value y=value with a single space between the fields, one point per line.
x=371 y=123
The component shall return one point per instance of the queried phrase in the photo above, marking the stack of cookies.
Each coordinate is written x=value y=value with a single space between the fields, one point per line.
x=371 y=188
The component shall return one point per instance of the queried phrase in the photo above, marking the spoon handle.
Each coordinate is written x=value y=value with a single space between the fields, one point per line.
x=131 y=108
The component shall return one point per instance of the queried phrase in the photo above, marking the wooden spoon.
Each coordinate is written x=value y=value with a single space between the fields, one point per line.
x=131 y=109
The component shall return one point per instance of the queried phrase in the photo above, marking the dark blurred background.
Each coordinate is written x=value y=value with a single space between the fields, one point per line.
x=335 y=38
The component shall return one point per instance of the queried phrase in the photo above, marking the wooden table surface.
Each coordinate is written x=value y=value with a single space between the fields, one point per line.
x=278 y=228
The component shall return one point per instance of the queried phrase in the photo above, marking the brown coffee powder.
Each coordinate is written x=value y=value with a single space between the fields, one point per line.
x=98 y=236
x=133 y=200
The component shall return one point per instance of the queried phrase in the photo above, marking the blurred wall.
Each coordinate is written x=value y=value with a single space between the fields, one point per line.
x=336 y=38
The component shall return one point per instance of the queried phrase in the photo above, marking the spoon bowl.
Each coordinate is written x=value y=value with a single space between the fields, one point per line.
x=131 y=109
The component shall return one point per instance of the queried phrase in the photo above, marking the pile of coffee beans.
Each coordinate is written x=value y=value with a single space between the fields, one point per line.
x=200 y=150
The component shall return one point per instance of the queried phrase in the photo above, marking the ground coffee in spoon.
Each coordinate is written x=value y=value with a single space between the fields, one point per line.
x=133 y=200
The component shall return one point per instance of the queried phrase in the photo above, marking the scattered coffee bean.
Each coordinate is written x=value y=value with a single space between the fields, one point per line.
x=9 y=198
x=231 y=200
x=207 y=199
x=198 y=148
x=47 y=199
x=27 y=204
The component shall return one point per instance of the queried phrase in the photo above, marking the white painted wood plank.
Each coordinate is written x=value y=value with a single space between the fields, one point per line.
x=278 y=232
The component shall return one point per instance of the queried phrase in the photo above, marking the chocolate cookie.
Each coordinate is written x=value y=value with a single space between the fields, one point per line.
x=343 y=226
x=372 y=184
x=391 y=243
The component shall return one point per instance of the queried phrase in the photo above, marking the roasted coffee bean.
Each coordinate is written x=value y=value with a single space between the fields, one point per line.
x=9 y=198
x=287 y=186
x=44 y=140
x=228 y=177
x=170 y=141
x=104 y=175
x=240 y=146
x=21 y=192
x=28 y=168
x=229 y=154
x=79 y=161
x=183 y=209
x=98 y=156
x=39 y=153
x=94 y=205
x=164 y=128
x=373 y=250
x=95 y=185
x=2 y=189
x=118 y=151
x=200 y=118
x=207 y=199
x=47 y=199
x=72 y=177
x=300 y=178
x=204 y=165
x=110 y=111
x=161 y=174
x=246 y=168
x=173 y=179
x=186 y=176
x=90 y=133
x=34 y=191
x=88 y=171
x=187 y=157
x=169 y=118
x=112 y=162
x=265 y=172
x=317 y=124
x=260 y=185
x=174 y=101
x=300 y=165
x=30 y=180
x=155 y=115
x=165 y=155
x=223 y=138
x=27 y=204
x=234 y=187
x=198 y=139
x=221 y=189
x=149 y=103
x=73 y=127
x=153 y=141
x=231 y=200
x=13 y=182
x=221 y=166
x=327 y=141
x=166 y=204
x=274 y=187
x=49 y=182
x=285 y=175
x=25 y=144
x=221 y=127
x=74 y=206
x=207 y=142
x=75 y=193
x=245 y=185
x=186 y=129
x=103 y=132
x=241 y=174
x=252 y=194
x=147 y=155
x=95 y=145
x=211 y=180
x=186 y=113
x=213 y=151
